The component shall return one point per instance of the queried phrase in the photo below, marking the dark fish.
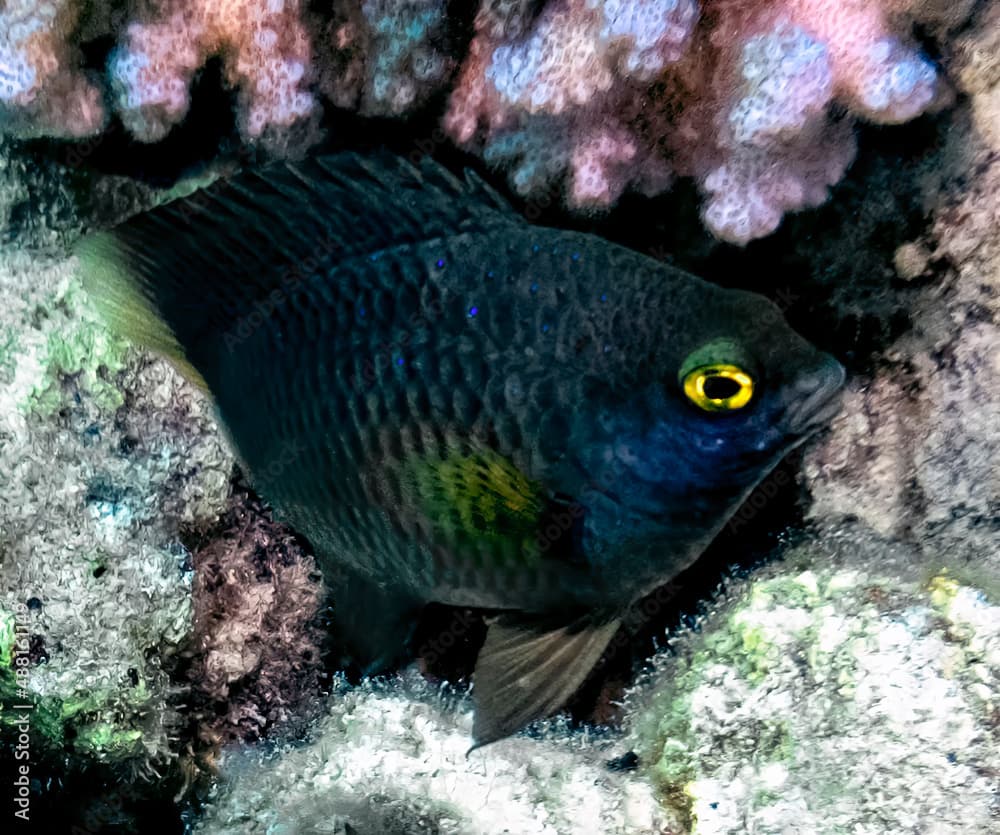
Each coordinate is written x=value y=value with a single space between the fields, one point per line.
x=456 y=406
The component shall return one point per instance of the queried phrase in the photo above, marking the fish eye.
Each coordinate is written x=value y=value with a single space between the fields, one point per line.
x=719 y=387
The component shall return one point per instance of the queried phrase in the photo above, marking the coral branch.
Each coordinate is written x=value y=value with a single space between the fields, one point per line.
x=42 y=89
x=754 y=99
x=266 y=52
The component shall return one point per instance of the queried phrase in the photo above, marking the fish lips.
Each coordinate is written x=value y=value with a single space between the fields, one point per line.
x=815 y=399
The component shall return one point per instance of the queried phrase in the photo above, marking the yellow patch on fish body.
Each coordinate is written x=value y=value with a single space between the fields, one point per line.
x=472 y=496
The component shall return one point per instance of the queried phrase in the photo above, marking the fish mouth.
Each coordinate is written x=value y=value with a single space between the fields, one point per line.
x=816 y=409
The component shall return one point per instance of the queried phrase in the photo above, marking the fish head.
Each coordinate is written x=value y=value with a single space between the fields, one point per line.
x=713 y=404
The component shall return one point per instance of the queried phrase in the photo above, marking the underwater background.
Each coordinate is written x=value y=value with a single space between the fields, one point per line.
x=830 y=665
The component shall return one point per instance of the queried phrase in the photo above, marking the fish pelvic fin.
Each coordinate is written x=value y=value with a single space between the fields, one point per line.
x=529 y=667
x=126 y=301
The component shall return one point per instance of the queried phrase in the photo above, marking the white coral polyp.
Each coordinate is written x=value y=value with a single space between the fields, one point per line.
x=787 y=81
x=558 y=65
x=899 y=85
x=655 y=32
x=17 y=78
x=749 y=193
x=595 y=179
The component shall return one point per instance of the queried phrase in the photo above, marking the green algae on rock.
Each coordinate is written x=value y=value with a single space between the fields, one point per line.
x=848 y=689
x=81 y=348
x=102 y=454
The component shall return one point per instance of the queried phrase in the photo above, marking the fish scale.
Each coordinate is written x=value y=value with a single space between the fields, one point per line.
x=455 y=406
x=448 y=381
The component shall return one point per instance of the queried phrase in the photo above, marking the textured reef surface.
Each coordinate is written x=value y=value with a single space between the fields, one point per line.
x=841 y=677
x=840 y=690
x=754 y=100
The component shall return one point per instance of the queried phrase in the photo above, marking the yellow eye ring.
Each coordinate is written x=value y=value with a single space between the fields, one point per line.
x=699 y=383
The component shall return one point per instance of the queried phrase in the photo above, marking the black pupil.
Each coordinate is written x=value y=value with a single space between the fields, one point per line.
x=720 y=388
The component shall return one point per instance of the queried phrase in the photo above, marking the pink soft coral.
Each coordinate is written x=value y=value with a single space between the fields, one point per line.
x=266 y=51
x=42 y=89
x=588 y=97
x=383 y=57
x=741 y=100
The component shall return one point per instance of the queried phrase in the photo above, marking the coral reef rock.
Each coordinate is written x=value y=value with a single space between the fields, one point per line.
x=916 y=452
x=848 y=688
x=391 y=760
x=257 y=643
x=103 y=454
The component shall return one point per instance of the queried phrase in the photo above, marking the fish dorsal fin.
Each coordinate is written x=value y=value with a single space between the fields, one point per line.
x=350 y=204
x=529 y=667
x=202 y=261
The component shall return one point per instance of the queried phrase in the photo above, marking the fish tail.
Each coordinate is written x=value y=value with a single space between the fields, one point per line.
x=129 y=301
x=530 y=666
x=182 y=278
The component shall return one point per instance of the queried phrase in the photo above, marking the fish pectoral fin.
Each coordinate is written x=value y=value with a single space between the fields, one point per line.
x=529 y=667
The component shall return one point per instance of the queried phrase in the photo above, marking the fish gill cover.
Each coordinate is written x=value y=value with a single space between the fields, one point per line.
x=162 y=615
